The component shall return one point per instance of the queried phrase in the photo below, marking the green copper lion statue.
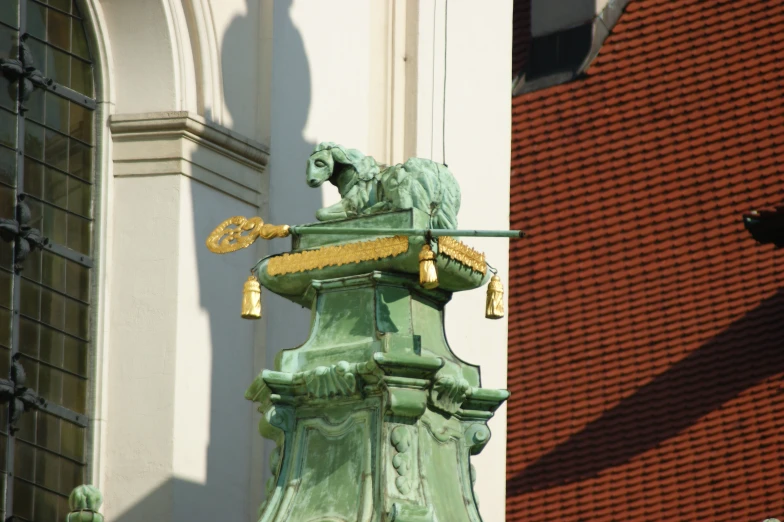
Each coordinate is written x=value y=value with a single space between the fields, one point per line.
x=367 y=187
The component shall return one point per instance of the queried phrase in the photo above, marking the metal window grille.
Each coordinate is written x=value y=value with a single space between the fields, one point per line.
x=47 y=174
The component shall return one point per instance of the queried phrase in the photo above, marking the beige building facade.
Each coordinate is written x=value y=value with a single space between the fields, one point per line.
x=209 y=109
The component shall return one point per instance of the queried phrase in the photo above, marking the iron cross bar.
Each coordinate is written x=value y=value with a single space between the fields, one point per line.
x=19 y=397
x=304 y=231
x=19 y=232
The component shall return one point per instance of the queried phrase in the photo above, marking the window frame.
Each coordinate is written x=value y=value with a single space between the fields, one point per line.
x=86 y=260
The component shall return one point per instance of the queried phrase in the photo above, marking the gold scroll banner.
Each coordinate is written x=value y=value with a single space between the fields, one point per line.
x=237 y=233
x=462 y=253
x=338 y=255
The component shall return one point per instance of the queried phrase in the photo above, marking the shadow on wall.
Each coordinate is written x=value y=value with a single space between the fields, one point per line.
x=743 y=355
x=223 y=495
x=291 y=201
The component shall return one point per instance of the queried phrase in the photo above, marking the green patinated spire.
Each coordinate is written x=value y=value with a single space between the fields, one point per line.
x=375 y=419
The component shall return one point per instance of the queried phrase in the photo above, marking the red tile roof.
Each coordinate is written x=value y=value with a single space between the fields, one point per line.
x=646 y=325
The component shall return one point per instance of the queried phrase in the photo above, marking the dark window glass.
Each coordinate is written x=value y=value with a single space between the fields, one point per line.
x=7 y=167
x=9 y=12
x=47 y=155
x=8 y=129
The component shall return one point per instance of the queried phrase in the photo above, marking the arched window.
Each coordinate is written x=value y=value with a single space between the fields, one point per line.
x=47 y=174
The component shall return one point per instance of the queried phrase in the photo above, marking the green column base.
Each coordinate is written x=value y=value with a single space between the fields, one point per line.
x=374 y=417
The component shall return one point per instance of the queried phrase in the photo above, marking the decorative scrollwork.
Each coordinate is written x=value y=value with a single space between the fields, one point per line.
x=330 y=381
x=405 y=512
x=477 y=436
x=281 y=418
x=448 y=393
x=238 y=232
x=401 y=441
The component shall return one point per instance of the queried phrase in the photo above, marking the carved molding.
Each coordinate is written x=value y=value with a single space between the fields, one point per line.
x=281 y=418
x=442 y=429
x=292 y=501
x=179 y=143
x=401 y=461
x=449 y=392
x=299 y=405
x=193 y=124
x=477 y=436
x=406 y=402
x=323 y=382
x=407 y=513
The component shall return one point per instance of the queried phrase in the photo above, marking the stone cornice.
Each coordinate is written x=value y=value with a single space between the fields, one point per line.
x=195 y=125
x=180 y=143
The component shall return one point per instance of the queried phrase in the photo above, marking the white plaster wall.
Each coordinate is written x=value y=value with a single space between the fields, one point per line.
x=179 y=432
x=244 y=74
x=477 y=141
x=144 y=280
x=214 y=426
x=153 y=62
x=210 y=57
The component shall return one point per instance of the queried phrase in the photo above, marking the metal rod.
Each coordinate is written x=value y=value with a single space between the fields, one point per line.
x=338 y=231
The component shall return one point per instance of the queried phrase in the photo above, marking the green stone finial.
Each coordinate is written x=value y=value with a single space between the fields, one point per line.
x=367 y=187
x=85 y=501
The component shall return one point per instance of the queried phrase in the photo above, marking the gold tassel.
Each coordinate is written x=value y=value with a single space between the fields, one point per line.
x=428 y=277
x=495 y=299
x=251 y=299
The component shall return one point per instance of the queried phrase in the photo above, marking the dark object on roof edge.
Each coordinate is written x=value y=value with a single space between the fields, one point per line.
x=563 y=56
x=766 y=226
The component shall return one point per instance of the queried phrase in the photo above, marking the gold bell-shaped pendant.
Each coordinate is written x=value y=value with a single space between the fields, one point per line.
x=428 y=276
x=251 y=299
x=494 y=308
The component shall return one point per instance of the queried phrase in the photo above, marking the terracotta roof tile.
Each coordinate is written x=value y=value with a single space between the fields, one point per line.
x=645 y=325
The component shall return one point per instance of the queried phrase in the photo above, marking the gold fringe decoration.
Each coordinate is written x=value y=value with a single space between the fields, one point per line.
x=462 y=253
x=494 y=308
x=337 y=255
x=251 y=299
x=428 y=276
